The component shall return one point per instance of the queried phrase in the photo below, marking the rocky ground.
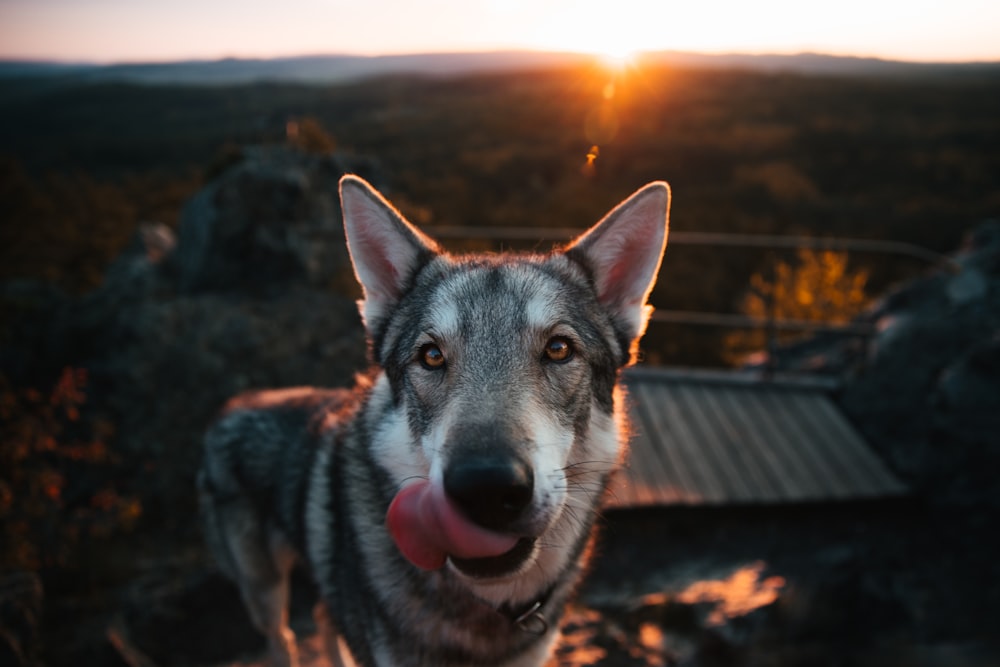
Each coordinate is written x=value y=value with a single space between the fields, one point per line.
x=894 y=583
x=248 y=293
x=870 y=584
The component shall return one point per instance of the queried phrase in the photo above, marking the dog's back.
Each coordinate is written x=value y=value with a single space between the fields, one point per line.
x=261 y=448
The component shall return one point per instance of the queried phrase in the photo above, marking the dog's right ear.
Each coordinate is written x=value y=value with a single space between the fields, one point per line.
x=385 y=249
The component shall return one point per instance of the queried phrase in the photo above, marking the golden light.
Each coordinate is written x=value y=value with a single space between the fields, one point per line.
x=743 y=592
x=617 y=58
x=605 y=30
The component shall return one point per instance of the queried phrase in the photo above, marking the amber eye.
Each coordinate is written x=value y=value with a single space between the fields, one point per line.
x=431 y=357
x=558 y=349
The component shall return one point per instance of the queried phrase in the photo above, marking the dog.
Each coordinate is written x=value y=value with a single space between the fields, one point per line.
x=445 y=506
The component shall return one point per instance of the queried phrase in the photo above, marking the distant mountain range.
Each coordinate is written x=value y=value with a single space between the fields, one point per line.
x=343 y=68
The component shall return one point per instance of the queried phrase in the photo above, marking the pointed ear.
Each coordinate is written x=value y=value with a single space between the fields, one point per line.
x=623 y=253
x=385 y=249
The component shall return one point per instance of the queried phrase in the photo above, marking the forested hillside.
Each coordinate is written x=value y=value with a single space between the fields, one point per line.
x=910 y=157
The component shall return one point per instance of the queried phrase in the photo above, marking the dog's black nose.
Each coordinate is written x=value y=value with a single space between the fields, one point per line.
x=492 y=490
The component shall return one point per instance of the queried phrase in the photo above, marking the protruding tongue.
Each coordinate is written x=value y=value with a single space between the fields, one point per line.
x=428 y=528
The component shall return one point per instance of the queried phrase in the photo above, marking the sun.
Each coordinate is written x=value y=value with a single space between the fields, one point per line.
x=617 y=58
x=612 y=56
x=592 y=28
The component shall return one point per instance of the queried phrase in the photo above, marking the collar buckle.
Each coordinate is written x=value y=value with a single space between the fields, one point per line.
x=532 y=621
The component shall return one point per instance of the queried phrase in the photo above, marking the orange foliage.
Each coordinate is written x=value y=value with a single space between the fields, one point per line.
x=45 y=445
x=818 y=287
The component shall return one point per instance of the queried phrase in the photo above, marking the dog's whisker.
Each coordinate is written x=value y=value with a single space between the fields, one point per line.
x=605 y=465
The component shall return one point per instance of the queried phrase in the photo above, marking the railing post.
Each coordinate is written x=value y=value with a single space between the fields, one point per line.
x=772 y=320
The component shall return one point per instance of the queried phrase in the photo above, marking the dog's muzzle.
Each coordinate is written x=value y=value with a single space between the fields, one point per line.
x=493 y=489
x=479 y=518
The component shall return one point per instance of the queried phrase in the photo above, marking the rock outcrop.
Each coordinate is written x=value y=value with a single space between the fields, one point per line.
x=925 y=388
x=269 y=223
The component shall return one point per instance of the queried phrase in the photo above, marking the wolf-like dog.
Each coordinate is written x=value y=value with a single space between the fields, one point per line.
x=445 y=506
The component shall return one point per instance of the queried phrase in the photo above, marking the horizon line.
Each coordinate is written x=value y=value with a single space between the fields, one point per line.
x=638 y=55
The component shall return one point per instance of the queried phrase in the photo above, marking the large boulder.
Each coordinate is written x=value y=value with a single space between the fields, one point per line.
x=270 y=221
x=255 y=290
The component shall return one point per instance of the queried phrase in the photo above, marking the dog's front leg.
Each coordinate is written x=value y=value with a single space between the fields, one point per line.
x=260 y=563
x=331 y=642
x=267 y=603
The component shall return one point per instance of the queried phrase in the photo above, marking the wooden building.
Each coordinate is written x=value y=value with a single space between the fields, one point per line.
x=718 y=438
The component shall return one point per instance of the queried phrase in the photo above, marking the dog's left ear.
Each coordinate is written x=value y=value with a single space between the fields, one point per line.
x=623 y=253
x=386 y=250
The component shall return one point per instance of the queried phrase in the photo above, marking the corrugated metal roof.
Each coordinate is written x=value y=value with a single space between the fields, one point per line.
x=721 y=439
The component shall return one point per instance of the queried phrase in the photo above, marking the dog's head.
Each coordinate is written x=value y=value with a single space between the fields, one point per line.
x=497 y=417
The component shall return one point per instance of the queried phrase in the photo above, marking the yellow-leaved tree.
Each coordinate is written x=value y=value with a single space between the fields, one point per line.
x=817 y=286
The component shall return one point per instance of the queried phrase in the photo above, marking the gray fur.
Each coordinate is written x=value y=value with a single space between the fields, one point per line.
x=311 y=474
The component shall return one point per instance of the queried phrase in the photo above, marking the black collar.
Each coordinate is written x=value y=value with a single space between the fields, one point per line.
x=529 y=617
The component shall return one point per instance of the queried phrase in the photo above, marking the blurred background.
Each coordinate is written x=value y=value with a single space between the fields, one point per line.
x=817 y=404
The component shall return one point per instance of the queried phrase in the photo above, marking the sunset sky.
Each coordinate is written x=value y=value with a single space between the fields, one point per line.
x=155 y=30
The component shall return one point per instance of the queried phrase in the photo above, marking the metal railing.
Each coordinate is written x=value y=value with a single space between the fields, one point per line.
x=717 y=239
x=771 y=324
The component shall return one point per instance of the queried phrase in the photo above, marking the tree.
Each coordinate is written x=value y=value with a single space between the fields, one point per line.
x=818 y=286
x=309 y=135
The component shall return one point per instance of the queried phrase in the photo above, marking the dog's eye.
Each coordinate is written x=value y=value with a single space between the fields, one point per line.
x=431 y=357
x=558 y=349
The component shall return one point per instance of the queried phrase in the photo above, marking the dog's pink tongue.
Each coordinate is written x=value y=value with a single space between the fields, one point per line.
x=427 y=529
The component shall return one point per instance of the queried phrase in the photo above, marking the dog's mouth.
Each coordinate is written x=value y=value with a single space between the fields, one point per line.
x=496 y=566
x=429 y=531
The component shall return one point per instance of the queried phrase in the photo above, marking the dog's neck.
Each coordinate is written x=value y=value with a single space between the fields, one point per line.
x=529 y=617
